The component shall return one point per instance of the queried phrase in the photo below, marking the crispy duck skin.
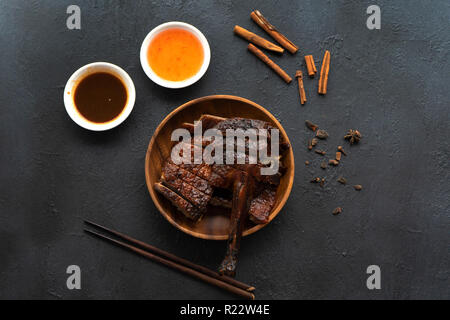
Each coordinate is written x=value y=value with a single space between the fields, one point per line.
x=189 y=210
x=172 y=177
x=242 y=123
x=188 y=192
x=191 y=187
x=188 y=177
x=241 y=190
x=262 y=205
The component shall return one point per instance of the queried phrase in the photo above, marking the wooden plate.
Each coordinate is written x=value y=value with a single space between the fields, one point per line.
x=215 y=224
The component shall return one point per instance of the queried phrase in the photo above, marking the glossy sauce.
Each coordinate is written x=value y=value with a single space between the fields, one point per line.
x=100 y=97
x=175 y=54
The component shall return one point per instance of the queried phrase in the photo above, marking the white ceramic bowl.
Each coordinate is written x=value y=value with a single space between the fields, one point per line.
x=84 y=71
x=175 y=84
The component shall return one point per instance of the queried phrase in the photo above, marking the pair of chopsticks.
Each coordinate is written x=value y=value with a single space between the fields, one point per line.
x=170 y=260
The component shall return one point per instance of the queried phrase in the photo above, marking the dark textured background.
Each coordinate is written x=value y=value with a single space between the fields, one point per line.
x=391 y=84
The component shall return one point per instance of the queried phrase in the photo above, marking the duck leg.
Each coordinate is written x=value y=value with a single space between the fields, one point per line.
x=241 y=192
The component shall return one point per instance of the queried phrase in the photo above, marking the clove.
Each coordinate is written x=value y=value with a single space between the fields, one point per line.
x=322 y=182
x=311 y=125
x=321 y=152
x=333 y=162
x=342 y=150
x=315 y=180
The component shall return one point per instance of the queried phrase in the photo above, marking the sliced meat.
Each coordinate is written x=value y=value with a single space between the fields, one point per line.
x=245 y=124
x=171 y=169
x=173 y=178
x=188 y=192
x=262 y=205
x=223 y=170
x=242 y=123
x=187 y=208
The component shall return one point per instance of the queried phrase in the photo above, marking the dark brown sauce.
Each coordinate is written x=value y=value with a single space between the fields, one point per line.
x=100 y=97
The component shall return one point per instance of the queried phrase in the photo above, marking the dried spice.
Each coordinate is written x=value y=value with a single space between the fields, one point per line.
x=342 y=180
x=261 y=21
x=338 y=156
x=301 y=87
x=333 y=162
x=276 y=68
x=323 y=165
x=321 y=152
x=353 y=136
x=323 y=80
x=310 y=144
x=337 y=211
x=315 y=180
x=311 y=125
x=322 y=182
x=321 y=134
x=314 y=141
x=307 y=162
x=310 y=66
x=358 y=187
x=259 y=41
x=342 y=150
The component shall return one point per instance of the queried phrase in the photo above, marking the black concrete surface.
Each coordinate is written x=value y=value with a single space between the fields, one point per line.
x=391 y=84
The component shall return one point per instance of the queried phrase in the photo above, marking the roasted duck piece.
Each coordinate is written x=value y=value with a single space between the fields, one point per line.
x=195 y=187
x=242 y=189
x=187 y=208
x=261 y=206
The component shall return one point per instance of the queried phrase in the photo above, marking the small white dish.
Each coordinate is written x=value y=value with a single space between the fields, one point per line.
x=86 y=70
x=174 y=84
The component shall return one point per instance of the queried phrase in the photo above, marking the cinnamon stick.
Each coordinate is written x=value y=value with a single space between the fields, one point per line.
x=273 y=32
x=269 y=62
x=310 y=66
x=259 y=41
x=323 y=81
x=301 y=88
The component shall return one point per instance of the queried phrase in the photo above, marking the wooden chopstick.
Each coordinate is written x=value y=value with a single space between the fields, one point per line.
x=199 y=275
x=175 y=258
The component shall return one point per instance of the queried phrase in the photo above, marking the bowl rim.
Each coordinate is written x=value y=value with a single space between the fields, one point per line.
x=153 y=192
x=84 y=71
x=174 y=84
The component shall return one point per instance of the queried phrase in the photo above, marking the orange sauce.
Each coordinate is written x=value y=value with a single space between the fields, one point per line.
x=175 y=54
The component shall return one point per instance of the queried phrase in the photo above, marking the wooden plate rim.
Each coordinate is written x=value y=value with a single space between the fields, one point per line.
x=153 y=192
